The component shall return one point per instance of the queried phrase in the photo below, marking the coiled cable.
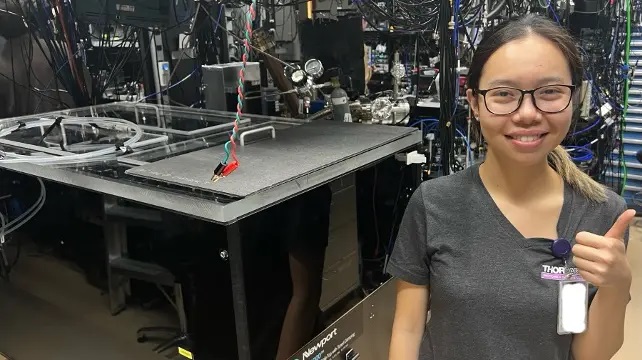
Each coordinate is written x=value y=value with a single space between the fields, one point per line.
x=101 y=122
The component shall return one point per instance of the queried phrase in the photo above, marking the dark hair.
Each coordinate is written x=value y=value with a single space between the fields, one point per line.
x=519 y=28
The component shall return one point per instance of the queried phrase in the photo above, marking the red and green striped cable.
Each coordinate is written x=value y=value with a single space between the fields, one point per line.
x=230 y=146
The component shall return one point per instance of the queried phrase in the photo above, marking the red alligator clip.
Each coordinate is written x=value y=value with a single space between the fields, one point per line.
x=229 y=168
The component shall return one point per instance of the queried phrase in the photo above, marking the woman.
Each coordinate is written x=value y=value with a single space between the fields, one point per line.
x=474 y=248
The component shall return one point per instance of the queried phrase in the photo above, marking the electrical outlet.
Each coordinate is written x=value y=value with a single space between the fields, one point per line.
x=163 y=73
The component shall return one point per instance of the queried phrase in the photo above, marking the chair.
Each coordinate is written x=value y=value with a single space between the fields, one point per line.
x=161 y=277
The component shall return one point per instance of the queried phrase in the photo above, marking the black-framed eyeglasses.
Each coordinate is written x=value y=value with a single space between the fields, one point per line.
x=506 y=100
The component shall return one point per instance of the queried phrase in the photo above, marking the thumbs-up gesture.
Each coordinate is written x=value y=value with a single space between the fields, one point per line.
x=601 y=260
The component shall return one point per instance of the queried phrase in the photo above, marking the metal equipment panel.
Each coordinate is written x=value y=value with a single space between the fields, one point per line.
x=221 y=81
x=294 y=152
x=142 y=13
x=363 y=332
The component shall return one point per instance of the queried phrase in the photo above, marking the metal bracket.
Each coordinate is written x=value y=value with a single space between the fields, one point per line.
x=254 y=131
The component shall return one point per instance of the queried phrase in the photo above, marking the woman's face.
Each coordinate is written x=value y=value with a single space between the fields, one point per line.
x=527 y=135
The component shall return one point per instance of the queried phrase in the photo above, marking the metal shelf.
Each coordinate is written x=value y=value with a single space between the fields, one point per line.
x=633 y=122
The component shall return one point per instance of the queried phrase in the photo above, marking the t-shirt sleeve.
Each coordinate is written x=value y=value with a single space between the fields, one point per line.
x=409 y=260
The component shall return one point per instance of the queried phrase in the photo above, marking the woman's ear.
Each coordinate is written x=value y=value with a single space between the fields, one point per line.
x=473 y=102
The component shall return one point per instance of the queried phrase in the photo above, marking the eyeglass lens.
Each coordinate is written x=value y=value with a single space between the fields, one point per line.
x=505 y=100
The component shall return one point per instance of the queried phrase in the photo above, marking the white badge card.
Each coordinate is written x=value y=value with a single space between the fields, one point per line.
x=572 y=314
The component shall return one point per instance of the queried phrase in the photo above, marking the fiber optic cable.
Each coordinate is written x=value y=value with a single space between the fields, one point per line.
x=9 y=126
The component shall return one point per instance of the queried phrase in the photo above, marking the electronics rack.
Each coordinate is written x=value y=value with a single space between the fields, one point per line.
x=140 y=13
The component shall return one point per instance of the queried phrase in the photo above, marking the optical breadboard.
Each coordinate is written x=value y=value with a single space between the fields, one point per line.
x=294 y=153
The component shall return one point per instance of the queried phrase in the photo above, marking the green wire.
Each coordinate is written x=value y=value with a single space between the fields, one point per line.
x=227 y=153
x=627 y=54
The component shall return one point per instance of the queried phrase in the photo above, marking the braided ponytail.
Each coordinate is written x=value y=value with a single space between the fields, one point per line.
x=566 y=168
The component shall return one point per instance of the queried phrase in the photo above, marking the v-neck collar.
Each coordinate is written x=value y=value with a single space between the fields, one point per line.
x=563 y=222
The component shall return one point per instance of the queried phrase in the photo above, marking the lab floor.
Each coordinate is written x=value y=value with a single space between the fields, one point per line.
x=49 y=312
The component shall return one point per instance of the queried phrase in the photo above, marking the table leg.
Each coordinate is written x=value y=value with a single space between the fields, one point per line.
x=115 y=234
x=235 y=250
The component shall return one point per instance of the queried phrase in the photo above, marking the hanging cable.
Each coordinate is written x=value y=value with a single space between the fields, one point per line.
x=226 y=167
x=447 y=85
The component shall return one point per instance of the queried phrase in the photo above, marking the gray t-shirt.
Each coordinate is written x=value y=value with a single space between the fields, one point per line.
x=489 y=298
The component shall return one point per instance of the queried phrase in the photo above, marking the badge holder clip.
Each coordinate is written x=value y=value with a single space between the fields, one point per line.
x=572 y=310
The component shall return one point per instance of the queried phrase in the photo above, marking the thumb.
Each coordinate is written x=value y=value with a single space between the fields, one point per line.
x=621 y=225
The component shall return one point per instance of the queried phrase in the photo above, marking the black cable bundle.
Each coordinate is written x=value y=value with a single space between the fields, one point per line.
x=53 y=29
x=407 y=15
x=447 y=73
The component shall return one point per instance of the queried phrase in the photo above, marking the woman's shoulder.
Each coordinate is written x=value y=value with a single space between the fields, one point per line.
x=600 y=215
x=454 y=182
x=448 y=189
x=613 y=203
x=597 y=217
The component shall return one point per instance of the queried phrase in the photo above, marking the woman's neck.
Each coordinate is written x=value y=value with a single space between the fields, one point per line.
x=518 y=182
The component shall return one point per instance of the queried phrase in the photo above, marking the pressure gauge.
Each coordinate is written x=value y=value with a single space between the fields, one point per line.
x=398 y=71
x=299 y=77
x=314 y=68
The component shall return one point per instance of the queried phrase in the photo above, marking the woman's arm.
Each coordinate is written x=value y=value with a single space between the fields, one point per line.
x=605 y=333
x=410 y=321
x=601 y=260
x=410 y=265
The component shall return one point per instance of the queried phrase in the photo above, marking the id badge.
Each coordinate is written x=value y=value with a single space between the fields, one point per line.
x=572 y=313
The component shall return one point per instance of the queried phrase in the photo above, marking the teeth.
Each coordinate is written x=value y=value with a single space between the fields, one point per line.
x=526 y=138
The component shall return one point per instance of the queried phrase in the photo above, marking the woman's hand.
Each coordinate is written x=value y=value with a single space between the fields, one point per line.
x=601 y=260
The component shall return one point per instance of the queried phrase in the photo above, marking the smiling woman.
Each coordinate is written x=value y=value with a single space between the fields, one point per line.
x=531 y=113
x=477 y=246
